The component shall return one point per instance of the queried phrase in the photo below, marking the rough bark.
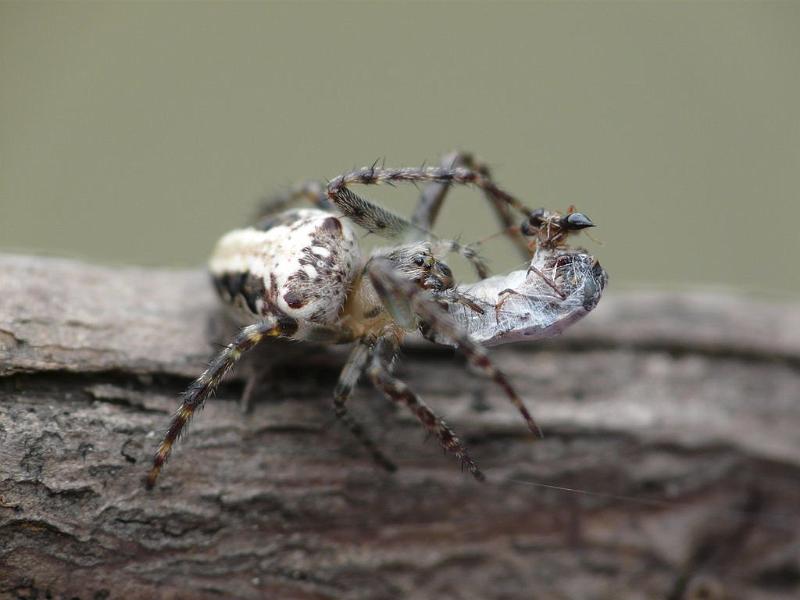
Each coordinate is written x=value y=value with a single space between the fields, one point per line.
x=688 y=402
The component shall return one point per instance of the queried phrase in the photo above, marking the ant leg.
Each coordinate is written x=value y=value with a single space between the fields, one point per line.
x=454 y=296
x=203 y=386
x=399 y=392
x=552 y=284
x=353 y=368
x=434 y=194
x=398 y=294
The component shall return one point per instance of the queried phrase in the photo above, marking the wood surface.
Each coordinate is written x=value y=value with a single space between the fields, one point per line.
x=678 y=414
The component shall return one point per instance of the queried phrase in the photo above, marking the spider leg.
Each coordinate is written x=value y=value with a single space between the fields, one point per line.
x=377 y=175
x=346 y=200
x=468 y=252
x=203 y=386
x=353 y=368
x=311 y=191
x=251 y=387
x=397 y=391
x=400 y=295
x=386 y=224
x=434 y=194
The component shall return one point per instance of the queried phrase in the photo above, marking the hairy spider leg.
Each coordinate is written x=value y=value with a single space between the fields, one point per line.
x=393 y=290
x=386 y=224
x=458 y=175
x=434 y=194
x=251 y=387
x=204 y=385
x=277 y=325
x=310 y=191
x=374 y=218
x=465 y=251
x=353 y=369
x=397 y=391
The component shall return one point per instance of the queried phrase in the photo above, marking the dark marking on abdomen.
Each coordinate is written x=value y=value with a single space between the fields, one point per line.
x=294 y=300
x=332 y=226
x=251 y=288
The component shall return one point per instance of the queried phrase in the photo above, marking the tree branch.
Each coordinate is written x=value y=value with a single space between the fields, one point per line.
x=687 y=402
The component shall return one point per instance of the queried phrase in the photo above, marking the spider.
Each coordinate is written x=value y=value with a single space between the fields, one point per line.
x=300 y=274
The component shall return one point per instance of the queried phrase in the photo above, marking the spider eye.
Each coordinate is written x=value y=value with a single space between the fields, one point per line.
x=419 y=261
x=446 y=272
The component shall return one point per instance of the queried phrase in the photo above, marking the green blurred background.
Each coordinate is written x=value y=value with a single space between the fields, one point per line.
x=138 y=133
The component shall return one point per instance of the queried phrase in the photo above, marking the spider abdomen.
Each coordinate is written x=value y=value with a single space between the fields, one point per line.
x=301 y=262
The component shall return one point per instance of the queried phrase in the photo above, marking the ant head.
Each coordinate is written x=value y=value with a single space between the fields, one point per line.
x=536 y=219
x=551 y=227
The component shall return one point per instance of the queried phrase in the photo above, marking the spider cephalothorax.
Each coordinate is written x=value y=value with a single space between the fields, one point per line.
x=300 y=274
x=418 y=263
